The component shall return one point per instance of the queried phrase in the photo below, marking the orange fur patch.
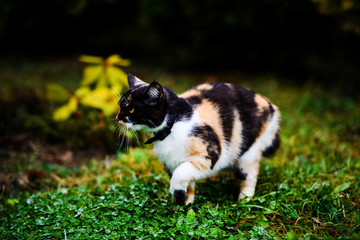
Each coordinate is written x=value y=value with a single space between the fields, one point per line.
x=190 y=93
x=262 y=103
x=243 y=185
x=263 y=127
x=209 y=115
x=195 y=165
x=196 y=147
x=190 y=190
x=199 y=165
x=128 y=100
x=204 y=86
x=236 y=133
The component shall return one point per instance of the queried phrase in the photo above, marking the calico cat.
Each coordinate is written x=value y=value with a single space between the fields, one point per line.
x=210 y=128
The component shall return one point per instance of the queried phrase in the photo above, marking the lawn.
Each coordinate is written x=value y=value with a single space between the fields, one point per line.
x=308 y=190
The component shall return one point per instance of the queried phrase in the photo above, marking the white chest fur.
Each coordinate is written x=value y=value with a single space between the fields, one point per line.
x=172 y=150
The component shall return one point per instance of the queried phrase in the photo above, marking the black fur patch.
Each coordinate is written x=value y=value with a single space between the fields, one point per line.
x=270 y=150
x=240 y=174
x=180 y=196
x=151 y=113
x=183 y=109
x=145 y=113
x=207 y=134
x=271 y=108
x=251 y=123
x=168 y=171
x=193 y=100
x=222 y=95
x=228 y=98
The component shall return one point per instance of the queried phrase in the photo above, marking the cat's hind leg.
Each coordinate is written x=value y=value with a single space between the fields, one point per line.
x=248 y=172
x=249 y=162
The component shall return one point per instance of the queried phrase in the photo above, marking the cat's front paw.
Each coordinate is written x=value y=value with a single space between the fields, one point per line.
x=180 y=196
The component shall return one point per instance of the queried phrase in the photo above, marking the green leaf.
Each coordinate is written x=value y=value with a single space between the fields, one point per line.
x=262 y=221
x=342 y=187
x=292 y=236
x=56 y=93
x=12 y=202
x=190 y=216
x=314 y=187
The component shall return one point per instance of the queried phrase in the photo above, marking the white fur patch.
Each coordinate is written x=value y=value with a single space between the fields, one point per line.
x=139 y=82
x=154 y=92
x=145 y=128
x=172 y=150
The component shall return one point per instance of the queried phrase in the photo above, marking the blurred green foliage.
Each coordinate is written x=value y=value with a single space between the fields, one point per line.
x=101 y=85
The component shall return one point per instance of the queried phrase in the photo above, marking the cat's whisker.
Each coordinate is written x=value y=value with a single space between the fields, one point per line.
x=152 y=123
x=121 y=131
x=128 y=140
x=116 y=92
x=136 y=137
x=123 y=137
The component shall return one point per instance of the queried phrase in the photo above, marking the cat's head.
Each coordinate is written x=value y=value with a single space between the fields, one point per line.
x=143 y=105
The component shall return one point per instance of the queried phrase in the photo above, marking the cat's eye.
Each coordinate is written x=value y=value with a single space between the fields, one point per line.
x=132 y=110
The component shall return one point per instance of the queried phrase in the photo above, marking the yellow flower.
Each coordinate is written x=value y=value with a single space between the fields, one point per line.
x=65 y=111
x=101 y=98
x=104 y=72
x=97 y=89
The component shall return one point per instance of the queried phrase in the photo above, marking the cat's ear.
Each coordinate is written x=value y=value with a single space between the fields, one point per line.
x=134 y=81
x=155 y=92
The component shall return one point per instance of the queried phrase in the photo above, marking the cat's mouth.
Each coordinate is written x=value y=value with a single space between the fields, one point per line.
x=122 y=123
x=126 y=124
x=134 y=126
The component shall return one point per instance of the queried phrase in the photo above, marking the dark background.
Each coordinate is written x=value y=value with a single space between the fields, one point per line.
x=299 y=38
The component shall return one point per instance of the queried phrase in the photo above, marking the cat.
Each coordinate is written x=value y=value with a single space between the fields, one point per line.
x=209 y=128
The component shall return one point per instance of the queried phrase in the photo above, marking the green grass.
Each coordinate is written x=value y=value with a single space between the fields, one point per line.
x=308 y=190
